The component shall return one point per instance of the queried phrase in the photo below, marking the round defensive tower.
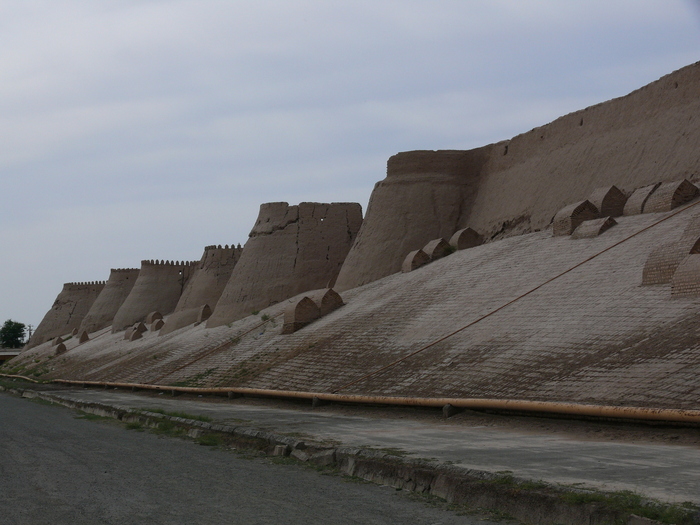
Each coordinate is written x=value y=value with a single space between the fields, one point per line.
x=205 y=286
x=118 y=287
x=291 y=249
x=158 y=288
x=68 y=311
x=425 y=195
x=518 y=185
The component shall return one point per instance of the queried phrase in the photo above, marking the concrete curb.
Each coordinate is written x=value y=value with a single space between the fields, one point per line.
x=522 y=499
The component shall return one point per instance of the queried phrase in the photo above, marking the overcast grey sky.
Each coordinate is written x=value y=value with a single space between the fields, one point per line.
x=148 y=129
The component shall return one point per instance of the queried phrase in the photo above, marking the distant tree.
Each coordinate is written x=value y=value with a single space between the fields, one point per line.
x=12 y=334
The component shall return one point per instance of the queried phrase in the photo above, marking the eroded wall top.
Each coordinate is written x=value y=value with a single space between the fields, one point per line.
x=647 y=136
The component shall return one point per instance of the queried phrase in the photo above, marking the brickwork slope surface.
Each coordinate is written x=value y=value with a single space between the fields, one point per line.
x=594 y=335
x=588 y=332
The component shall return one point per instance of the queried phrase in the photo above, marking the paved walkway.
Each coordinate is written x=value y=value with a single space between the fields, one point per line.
x=664 y=471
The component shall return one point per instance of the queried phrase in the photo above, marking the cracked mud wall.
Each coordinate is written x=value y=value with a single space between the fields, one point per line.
x=68 y=311
x=291 y=249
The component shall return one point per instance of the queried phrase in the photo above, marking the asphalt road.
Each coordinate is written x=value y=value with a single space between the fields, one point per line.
x=57 y=469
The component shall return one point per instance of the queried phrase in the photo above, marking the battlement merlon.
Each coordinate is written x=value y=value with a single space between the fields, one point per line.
x=156 y=262
x=214 y=247
x=83 y=284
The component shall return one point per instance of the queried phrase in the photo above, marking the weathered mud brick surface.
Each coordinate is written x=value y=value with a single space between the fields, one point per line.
x=291 y=249
x=157 y=288
x=68 y=311
x=592 y=335
x=117 y=288
x=606 y=318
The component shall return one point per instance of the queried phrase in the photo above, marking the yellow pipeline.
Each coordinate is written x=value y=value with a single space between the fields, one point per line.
x=24 y=378
x=570 y=409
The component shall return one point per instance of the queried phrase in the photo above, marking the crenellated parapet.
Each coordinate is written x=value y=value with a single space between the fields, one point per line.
x=219 y=247
x=156 y=262
x=216 y=255
x=158 y=286
x=162 y=263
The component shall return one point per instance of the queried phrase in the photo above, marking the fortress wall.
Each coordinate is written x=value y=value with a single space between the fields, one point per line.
x=210 y=277
x=521 y=318
x=158 y=287
x=518 y=185
x=648 y=136
x=205 y=286
x=67 y=312
x=291 y=249
x=591 y=336
x=426 y=195
x=120 y=283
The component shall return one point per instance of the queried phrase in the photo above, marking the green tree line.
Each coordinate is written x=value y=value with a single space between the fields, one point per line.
x=12 y=334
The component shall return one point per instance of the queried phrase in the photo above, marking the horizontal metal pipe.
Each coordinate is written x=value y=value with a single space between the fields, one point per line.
x=572 y=409
x=13 y=376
